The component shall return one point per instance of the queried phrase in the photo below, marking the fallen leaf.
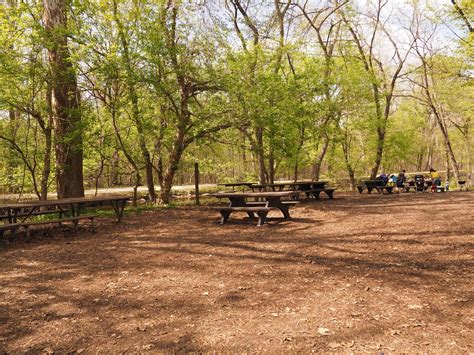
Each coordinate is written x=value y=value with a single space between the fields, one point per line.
x=334 y=345
x=323 y=331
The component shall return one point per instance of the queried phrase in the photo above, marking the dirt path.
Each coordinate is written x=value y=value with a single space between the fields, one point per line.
x=357 y=274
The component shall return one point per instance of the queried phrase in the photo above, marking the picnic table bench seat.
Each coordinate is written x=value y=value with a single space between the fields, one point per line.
x=257 y=207
x=14 y=227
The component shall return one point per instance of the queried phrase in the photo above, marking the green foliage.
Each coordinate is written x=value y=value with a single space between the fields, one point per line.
x=205 y=93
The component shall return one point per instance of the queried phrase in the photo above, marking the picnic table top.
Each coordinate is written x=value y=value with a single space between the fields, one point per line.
x=270 y=185
x=253 y=194
x=64 y=201
x=236 y=184
x=320 y=182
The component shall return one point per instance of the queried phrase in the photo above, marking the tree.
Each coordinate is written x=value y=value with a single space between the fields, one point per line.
x=65 y=101
x=383 y=79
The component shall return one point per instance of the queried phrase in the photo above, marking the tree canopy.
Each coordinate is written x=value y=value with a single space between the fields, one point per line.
x=117 y=92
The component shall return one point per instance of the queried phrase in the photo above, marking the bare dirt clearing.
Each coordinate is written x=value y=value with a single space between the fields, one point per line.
x=358 y=273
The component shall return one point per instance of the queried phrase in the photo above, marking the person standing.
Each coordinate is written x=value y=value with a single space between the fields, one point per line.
x=435 y=179
x=401 y=180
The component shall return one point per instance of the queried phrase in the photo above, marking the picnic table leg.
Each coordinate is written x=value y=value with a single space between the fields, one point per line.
x=262 y=216
x=74 y=209
x=118 y=207
x=276 y=202
x=224 y=216
x=240 y=202
x=122 y=207
x=330 y=194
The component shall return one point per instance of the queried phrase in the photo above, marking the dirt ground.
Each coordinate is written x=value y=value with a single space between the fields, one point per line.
x=360 y=273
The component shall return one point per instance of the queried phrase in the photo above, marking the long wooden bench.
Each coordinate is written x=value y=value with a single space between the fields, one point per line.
x=14 y=227
x=261 y=212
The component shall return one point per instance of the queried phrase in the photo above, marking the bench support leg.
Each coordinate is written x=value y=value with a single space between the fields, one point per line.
x=224 y=216
x=92 y=224
x=330 y=194
x=262 y=217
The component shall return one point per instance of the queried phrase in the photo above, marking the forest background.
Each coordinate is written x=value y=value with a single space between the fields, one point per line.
x=102 y=93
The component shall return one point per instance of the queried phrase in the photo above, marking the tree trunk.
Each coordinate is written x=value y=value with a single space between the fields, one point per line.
x=379 y=153
x=47 y=164
x=319 y=160
x=469 y=165
x=48 y=132
x=114 y=178
x=349 y=168
x=262 y=171
x=65 y=102
x=174 y=158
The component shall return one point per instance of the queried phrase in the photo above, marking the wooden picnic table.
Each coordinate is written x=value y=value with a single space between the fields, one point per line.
x=16 y=212
x=377 y=185
x=238 y=201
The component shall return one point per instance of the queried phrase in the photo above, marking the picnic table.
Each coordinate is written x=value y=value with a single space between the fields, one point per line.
x=17 y=215
x=239 y=201
x=378 y=185
x=22 y=211
x=312 y=188
x=309 y=188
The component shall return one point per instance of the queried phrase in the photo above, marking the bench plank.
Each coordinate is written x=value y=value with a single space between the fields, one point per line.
x=14 y=227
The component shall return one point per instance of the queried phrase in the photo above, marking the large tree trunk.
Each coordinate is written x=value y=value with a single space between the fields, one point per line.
x=65 y=102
